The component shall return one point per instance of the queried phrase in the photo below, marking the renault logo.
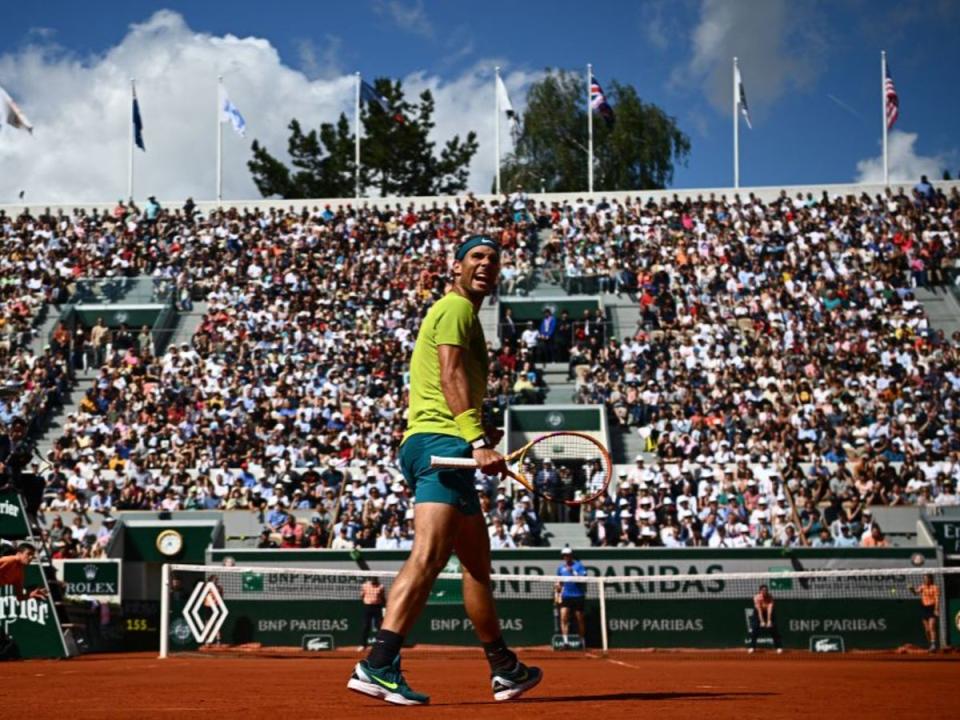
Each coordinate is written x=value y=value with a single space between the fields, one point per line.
x=205 y=595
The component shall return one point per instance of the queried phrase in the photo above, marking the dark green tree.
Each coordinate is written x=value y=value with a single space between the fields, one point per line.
x=946 y=175
x=637 y=153
x=322 y=163
x=397 y=156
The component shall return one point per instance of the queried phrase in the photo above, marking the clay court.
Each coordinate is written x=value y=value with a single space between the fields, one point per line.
x=625 y=684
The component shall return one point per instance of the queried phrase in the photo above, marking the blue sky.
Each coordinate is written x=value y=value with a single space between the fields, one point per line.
x=811 y=72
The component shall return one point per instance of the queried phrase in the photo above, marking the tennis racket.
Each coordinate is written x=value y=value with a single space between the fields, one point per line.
x=578 y=452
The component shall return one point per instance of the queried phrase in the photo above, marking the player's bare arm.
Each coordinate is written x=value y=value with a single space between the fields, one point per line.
x=456 y=390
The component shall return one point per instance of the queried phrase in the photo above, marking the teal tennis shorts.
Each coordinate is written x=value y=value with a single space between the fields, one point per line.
x=442 y=485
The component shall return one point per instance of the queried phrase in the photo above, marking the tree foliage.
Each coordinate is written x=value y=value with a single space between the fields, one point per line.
x=637 y=152
x=397 y=156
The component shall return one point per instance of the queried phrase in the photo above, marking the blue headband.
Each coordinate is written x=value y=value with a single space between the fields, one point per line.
x=473 y=241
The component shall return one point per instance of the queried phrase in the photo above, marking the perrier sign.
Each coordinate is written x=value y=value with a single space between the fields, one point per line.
x=13 y=518
x=32 y=623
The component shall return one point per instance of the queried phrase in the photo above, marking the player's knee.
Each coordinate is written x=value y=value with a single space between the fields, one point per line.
x=429 y=563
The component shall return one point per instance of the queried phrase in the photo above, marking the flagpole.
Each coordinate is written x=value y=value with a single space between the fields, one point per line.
x=356 y=145
x=496 y=120
x=219 y=140
x=133 y=95
x=883 y=114
x=589 y=130
x=736 y=129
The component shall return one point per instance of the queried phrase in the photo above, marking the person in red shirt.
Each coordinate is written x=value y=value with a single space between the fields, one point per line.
x=12 y=569
x=763 y=620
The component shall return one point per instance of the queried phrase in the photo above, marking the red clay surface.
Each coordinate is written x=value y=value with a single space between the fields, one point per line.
x=624 y=685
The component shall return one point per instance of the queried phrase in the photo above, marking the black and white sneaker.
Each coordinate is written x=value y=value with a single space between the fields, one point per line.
x=513 y=684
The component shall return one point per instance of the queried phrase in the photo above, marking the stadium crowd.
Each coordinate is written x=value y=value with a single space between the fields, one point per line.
x=772 y=336
x=290 y=394
x=775 y=334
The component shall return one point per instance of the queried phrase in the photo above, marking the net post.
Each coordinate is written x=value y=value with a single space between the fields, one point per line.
x=164 y=610
x=603 y=614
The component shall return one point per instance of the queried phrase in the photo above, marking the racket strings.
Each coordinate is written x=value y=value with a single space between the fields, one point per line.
x=557 y=461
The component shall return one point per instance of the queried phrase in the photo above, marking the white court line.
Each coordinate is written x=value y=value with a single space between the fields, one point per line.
x=615 y=662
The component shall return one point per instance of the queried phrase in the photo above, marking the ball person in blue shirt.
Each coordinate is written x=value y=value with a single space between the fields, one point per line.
x=570 y=596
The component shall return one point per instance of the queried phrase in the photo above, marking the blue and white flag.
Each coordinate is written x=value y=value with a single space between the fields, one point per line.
x=229 y=113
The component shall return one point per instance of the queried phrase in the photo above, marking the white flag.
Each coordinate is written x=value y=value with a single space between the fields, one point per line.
x=11 y=114
x=742 y=98
x=230 y=114
x=507 y=106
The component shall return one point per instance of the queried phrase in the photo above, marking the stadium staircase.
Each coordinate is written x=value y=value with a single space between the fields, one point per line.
x=623 y=315
x=188 y=322
x=53 y=427
x=569 y=534
x=941 y=307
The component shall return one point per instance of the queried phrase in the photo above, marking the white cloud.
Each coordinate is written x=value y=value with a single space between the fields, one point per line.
x=779 y=44
x=467 y=103
x=410 y=18
x=320 y=62
x=81 y=111
x=653 y=24
x=904 y=163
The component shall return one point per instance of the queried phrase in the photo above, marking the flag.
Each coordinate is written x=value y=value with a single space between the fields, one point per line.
x=229 y=113
x=11 y=114
x=598 y=102
x=507 y=106
x=893 y=101
x=742 y=97
x=137 y=124
x=370 y=95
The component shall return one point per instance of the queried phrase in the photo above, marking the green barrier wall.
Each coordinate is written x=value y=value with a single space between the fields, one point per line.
x=867 y=624
x=553 y=419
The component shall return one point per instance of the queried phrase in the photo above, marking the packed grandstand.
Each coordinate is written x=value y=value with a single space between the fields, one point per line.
x=782 y=375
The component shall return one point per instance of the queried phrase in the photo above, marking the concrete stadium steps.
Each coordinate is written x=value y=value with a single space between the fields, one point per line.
x=489 y=321
x=626 y=444
x=43 y=331
x=53 y=428
x=546 y=290
x=941 y=307
x=623 y=314
x=188 y=322
x=560 y=389
x=559 y=534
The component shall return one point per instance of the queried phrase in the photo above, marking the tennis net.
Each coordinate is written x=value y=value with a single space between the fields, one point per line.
x=220 y=607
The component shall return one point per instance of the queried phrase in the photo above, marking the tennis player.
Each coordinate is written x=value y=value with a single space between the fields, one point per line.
x=448 y=378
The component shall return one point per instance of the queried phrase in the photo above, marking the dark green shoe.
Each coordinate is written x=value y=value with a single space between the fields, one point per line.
x=513 y=684
x=386 y=683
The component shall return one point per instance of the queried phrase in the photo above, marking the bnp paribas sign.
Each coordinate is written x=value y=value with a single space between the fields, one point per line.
x=13 y=518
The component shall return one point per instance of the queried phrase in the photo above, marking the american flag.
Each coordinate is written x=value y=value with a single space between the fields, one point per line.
x=893 y=102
